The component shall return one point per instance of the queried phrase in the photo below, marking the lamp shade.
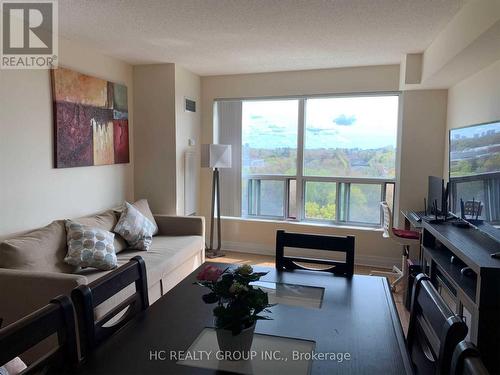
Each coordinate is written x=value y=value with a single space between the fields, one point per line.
x=215 y=156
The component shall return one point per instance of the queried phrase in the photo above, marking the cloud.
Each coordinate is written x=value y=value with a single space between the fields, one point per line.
x=322 y=131
x=330 y=132
x=276 y=129
x=343 y=120
x=314 y=130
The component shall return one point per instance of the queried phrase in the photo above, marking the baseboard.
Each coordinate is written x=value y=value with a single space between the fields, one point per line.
x=360 y=260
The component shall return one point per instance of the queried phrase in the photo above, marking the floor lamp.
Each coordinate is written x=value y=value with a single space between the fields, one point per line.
x=215 y=156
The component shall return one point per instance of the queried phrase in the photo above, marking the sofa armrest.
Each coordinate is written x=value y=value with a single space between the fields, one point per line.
x=170 y=225
x=22 y=292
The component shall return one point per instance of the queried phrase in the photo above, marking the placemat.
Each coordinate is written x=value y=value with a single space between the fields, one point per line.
x=293 y=295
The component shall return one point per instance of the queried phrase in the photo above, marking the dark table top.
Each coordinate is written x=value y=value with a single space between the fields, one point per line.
x=357 y=316
x=469 y=244
x=414 y=223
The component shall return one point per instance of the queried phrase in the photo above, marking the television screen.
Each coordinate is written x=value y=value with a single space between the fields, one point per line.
x=475 y=170
x=475 y=150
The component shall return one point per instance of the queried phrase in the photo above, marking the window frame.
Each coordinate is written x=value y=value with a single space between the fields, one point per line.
x=340 y=202
x=301 y=179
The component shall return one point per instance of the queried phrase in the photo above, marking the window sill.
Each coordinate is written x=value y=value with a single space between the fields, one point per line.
x=303 y=223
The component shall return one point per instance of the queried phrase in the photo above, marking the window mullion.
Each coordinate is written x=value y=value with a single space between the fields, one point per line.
x=347 y=202
x=383 y=190
x=251 y=197
x=300 y=202
x=258 y=194
x=286 y=200
x=338 y=191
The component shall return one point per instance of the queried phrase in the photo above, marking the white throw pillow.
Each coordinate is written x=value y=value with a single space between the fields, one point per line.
x=90 y=247
x=13 y=367
x=135 y=228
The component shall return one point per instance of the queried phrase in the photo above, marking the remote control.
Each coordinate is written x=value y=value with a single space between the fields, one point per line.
x=495 y=255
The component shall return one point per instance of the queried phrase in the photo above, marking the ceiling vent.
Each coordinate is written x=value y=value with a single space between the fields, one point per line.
x=190 y=105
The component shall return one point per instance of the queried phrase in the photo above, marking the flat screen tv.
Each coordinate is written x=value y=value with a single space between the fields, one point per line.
x=475 y=168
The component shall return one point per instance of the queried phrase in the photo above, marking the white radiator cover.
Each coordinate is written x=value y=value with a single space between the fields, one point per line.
x=190 y=195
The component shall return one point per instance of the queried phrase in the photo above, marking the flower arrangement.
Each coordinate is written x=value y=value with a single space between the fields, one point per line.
x=238 y=303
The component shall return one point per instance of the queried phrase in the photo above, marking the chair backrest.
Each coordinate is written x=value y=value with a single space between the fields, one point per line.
x=317 y=242
x=56 y=318
x=466 y=360
x=87 y=297
x=388 y=224
x=473 y=208
x=433 y=331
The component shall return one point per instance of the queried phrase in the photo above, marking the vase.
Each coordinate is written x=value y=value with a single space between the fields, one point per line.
x=238 y=346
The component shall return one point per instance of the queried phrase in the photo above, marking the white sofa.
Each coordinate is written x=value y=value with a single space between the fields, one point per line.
x=32 y=270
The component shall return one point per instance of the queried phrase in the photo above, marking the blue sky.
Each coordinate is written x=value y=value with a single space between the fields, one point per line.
x=470 y=131
x=361 y=122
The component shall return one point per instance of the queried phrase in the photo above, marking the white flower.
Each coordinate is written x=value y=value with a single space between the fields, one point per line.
x=236 y=288
x=245 y=269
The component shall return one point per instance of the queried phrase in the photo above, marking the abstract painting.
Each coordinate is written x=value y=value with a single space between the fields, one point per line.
x=90 y=120
x=120 y=140
x=104 y=152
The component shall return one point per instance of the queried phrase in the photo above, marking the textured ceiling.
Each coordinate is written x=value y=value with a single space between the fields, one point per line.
x=212 y=37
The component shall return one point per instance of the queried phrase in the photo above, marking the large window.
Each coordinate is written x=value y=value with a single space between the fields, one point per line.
x=269 y=137
x=351 y=137
x=323 y=159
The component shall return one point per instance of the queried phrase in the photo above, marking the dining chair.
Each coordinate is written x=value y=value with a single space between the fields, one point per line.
x=433 y=331
x=402 y=237
x=86 y=298
x=466 y=360
x=337 y=244
x=55 y=319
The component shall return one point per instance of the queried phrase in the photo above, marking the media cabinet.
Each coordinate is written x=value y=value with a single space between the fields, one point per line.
x=475 y=296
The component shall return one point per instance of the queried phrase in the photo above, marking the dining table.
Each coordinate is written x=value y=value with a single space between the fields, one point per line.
x=320 y=324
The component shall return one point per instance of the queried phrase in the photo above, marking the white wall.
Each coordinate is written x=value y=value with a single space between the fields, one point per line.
x=467 y=44
x=421 y=145
x=187 y=126
x=32 y=191
x=155 y=162
x=259 y=236
x=320 y=81
x=163 y=131
x=472 y=101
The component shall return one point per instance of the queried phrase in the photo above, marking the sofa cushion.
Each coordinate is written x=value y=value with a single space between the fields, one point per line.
x=42 y=249
x=136 y=228
x=90 y=247
x=143 y=206
x=105 y=220
x=165 y=255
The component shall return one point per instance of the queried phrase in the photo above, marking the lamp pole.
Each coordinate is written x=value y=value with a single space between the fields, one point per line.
x=215 y=253
x=215 y=156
